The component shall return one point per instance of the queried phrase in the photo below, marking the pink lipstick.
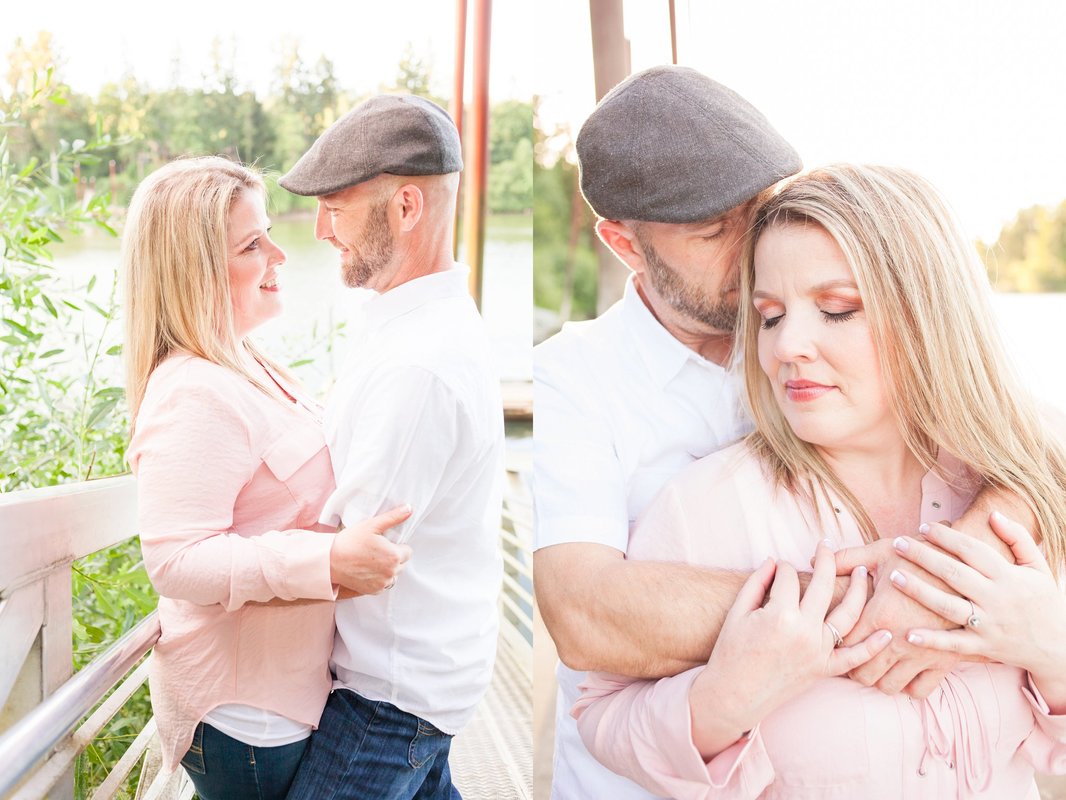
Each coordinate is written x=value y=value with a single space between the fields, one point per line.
x=805 y=391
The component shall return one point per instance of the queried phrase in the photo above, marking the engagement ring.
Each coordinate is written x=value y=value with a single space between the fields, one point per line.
x=973 y=621
x=837 y=638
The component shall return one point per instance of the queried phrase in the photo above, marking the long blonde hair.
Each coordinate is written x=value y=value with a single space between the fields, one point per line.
x=174 y=257
x=928 y=302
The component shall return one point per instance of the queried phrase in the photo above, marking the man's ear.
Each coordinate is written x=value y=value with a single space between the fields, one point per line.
x=408 y=203
x=621 y=240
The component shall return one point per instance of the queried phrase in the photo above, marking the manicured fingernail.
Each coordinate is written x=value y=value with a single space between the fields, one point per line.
x=901 y=544
x=923 y=528
x=997 y=517
x=828 y=544
x=898 y=578
x=914 y=638
x=861 y=571
x=884 y=637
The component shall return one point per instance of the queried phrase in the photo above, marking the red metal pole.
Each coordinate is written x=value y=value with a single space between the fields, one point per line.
x=477 y=147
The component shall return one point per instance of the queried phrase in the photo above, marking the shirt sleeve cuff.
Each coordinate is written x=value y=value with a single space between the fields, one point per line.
x=673 y=762
x=305 y=572
x=744 y=763
x=581 y=529
x=1054 y=725
x=744 y=766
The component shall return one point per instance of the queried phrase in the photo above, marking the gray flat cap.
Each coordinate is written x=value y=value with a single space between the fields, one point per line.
x=398 y=134
x=671 y=145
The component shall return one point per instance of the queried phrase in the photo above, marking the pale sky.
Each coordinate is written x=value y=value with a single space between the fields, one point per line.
x=969 y=93
x=365 y=39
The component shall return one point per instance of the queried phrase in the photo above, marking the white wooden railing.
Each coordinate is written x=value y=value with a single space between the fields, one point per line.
x=43 y=707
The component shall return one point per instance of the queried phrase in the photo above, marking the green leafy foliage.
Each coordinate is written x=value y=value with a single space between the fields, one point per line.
x=60 y=417
x=510 y=179
x=58 y=420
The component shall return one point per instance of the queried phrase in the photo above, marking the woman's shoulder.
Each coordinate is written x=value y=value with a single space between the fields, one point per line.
x=183 y=381
x=723 y=472
x=186 y=368
x=717 y=486
x=193 y=374
x=723 y=510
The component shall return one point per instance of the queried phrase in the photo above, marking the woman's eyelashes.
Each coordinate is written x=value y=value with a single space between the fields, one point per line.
x=838 y=316
x=254 y=244
x=829 y=316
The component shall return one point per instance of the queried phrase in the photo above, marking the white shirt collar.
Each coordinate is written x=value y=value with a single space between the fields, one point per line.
x=408 y=296
x=663 y=355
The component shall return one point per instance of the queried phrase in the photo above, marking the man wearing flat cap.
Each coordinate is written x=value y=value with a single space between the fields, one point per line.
x=415 y=418
x=671 y=163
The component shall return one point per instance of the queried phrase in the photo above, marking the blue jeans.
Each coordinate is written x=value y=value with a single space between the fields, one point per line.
x=371 y=750
x=223 y=768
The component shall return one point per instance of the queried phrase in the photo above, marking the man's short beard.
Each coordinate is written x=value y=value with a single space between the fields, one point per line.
x=369 y=256
x=686 y=299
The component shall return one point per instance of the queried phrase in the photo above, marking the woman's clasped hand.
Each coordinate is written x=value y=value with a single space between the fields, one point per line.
x=775 y=643
x=1011 y=613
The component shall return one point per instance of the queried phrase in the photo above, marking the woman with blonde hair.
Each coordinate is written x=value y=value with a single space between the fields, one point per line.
x=232 y=472
x=883 y=402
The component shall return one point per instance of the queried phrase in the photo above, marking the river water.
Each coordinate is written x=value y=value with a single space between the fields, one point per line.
x=315 y=300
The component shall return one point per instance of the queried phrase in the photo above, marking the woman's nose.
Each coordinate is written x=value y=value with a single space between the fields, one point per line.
x=277 y=256
x=795 y=340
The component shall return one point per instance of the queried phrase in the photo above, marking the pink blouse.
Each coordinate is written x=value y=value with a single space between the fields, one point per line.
x=980 y=734
x=230 y=483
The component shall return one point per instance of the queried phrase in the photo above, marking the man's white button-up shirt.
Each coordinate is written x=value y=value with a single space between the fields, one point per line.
x=621 y=407
x=417 y=418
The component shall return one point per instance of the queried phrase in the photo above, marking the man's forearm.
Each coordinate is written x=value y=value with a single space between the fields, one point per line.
x=644 y=619
x=653 y=619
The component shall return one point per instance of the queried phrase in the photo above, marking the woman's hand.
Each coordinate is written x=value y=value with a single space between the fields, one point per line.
x=768 y=654
x=1012 y=613
x=362 y=561
x=901 y=666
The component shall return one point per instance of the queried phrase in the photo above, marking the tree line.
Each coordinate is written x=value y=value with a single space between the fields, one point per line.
x=148 y=126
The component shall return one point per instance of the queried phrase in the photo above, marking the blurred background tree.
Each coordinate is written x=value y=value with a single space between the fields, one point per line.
x=564 y=259
x=1030 y=253
x=222 y=116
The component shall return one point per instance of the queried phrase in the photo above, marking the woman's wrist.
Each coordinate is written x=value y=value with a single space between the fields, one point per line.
x=1048 y=673
x=718 y=717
